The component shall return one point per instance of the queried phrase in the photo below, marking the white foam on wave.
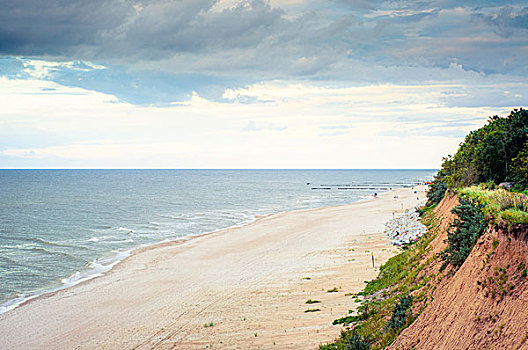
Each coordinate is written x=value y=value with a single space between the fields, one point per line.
x=93 y=239
x=128 y=230
x=94 y=269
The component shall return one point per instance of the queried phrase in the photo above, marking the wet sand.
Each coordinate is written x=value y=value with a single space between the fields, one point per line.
x=241 y=288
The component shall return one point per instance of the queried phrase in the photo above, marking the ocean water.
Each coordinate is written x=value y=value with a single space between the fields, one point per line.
x=60 y=227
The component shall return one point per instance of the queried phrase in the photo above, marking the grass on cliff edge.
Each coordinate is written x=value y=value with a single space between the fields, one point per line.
x=501 y=205
x=381 y=298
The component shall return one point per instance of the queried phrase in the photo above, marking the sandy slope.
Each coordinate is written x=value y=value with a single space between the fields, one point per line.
x=249 y=281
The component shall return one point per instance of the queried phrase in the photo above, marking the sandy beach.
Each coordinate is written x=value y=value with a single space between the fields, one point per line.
x=239 y=288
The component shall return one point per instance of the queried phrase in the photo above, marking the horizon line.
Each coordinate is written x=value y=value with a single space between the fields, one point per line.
x=219 y=169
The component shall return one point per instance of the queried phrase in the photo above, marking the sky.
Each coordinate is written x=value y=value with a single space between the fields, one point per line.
x=345 y=84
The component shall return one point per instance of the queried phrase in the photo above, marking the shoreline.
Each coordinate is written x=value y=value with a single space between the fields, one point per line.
x=179 y=247
x=123 y=255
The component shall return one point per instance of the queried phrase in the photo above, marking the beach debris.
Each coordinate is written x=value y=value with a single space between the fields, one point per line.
x=405 y=229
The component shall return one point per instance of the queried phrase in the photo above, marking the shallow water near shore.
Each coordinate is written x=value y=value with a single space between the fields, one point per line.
x=59 y=227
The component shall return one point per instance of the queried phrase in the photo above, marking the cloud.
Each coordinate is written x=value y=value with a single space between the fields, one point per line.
x=59 y=27
x=264 y=40
x=506 y=21
x=157 y=52
x=42 y=69
x=446 y=132
x=333 y=133
x=235 y=83
x=73 y=127
x=252 y=126
x=120 y=29
x=336 y=127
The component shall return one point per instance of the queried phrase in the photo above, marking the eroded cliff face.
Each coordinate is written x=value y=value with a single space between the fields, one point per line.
x=483 y=304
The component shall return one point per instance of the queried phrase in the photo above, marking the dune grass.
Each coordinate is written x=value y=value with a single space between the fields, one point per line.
x=499 y=204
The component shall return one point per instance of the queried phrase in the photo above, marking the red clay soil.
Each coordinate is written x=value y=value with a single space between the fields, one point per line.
x=444 y=217
x=482 y=305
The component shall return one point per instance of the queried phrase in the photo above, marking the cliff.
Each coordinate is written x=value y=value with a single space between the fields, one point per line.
x=483 y=304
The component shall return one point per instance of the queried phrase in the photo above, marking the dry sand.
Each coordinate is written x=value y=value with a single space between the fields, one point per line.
x=250 y=282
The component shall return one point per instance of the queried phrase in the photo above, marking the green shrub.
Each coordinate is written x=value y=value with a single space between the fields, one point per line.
x=400 y=313
x=499 y=204
x=495 y=244
x=364 y=312
x=310 y=301
x=350 y=340
x=312 y=310
x=468 y=227
x=436 y=192
x=354 y=341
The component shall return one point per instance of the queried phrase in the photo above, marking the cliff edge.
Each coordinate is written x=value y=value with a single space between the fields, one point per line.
x=483 y=304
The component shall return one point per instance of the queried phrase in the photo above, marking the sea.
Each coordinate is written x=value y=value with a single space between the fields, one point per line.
x=61 y=227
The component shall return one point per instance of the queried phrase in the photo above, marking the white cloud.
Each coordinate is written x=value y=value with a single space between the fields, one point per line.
x=43 y=69
x=45 y=124
x=252 y=126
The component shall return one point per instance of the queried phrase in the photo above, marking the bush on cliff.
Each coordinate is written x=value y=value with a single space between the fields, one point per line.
x=351 y=340
x=400 y=313
x=464 y=232
x=436 y=192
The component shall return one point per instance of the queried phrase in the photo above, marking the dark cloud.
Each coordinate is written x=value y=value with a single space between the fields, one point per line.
x=110 y=28
x=58 y=27
x=506 y=21
x=347 y=40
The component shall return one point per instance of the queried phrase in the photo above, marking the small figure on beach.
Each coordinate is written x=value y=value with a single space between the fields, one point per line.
x=372 y=255
x=375 y=194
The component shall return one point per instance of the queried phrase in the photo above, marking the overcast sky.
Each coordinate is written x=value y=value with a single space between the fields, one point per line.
x=253 y=84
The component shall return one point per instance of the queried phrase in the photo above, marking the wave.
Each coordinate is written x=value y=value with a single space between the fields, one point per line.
x=98 y=268
x=94 y=269
x=39 y=240
x=102 y=227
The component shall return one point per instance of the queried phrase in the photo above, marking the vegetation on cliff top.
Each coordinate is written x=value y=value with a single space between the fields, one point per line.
x=499 y=205
x=494 y=153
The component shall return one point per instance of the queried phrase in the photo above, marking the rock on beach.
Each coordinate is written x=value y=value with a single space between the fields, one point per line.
x=405 y=229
